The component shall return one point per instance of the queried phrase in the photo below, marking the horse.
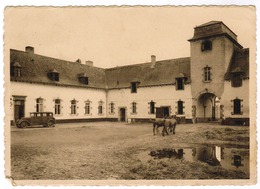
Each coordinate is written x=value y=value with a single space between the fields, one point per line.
x=168 y=124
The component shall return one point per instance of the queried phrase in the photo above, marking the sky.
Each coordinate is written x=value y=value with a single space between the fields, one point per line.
x=118 y=36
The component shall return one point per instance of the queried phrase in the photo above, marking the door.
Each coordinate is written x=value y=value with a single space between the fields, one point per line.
x=166 y=112
x=18 y=109
x=159 y=112
x=162 y=112
x=122 y=114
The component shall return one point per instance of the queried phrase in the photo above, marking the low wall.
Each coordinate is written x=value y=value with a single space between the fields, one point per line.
x=236 y=121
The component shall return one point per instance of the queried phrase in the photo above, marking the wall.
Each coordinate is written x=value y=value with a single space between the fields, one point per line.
x=161 y=95
x=66 y=94
x=218 y=59
x=231 y=93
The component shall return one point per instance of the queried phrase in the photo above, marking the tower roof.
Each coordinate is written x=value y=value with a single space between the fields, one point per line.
x=214 y=29
x=209 y=23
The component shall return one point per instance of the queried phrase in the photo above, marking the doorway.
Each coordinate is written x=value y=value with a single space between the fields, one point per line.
x=122 y=114
x=18 y=109
x=206 y=107
x=162 y=112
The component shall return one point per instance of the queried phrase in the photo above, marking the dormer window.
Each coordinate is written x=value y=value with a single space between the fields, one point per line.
x=134 y=87
x=83 y=78
x=206 y=45
x=236 y=77
x=236 y=80
x=54 y=75
x=16 y=70
x=180 y=81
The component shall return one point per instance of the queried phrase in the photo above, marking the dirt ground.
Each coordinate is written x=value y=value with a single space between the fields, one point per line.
x=112 y=150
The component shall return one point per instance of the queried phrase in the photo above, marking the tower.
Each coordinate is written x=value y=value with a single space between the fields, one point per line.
x=211 y=50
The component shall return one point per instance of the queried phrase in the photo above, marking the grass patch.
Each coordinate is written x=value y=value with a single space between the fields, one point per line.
x=227 y=134
x=179 y=169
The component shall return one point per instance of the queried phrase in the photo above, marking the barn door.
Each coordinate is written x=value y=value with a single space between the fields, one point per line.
x=160 y=112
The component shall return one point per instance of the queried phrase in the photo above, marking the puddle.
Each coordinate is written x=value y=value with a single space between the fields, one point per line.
x=229 y=158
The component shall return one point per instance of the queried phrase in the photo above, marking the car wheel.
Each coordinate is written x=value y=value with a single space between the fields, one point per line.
x=24 y=124
x=50 y=123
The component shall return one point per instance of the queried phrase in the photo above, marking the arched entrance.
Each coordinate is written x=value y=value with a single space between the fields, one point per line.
x=207 y=107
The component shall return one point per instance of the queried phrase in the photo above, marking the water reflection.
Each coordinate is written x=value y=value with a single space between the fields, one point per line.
x=228 y=158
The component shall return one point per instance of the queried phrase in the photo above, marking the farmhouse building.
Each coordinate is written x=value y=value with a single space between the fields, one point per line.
x=211 y=84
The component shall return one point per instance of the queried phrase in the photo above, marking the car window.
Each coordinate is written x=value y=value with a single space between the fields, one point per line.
x=44 y=114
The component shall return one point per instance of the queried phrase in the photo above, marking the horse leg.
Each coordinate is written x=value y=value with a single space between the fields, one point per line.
x=173 y=128
x=164 y=130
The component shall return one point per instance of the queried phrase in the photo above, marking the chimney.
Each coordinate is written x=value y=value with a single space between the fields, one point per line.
x=29 y=49
x=78 y=61
x=153 y=61
x=89 y=63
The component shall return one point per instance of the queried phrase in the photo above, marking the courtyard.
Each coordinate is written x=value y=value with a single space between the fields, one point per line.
x=127 y=151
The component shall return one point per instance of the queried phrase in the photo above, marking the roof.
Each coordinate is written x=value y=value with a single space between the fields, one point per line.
x=16 y=64
x=209 y=23
x=212 y=29
x=239 y=63
x=164 y=73
x=35 y=69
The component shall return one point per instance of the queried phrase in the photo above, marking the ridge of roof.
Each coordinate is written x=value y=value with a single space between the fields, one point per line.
x=148 y=63
x=209 y=23
x=215 y=22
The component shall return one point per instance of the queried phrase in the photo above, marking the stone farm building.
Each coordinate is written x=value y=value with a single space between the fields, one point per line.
x=211 y=84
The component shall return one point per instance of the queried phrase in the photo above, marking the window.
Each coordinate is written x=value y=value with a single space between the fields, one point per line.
x=83 y=78
x=57 y=107
x=100 y=107
x=112 y=107
x=179 y=83
x=207 y=74
x=16 y=70
x=152 y=104
x=133 y=87
x=206 y=45
x=134 y=108
x=237 y=106
x=87 y=107
x=54 y=75
x=180 y=107
x=39 y=104
x=236 y=80
x=73 y=107
x=237 y=161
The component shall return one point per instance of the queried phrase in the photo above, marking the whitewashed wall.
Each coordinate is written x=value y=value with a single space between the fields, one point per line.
x=230 y=93
x=162 y=96
x=66 y=94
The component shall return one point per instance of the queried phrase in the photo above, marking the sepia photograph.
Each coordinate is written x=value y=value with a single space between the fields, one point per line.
x=141 y=95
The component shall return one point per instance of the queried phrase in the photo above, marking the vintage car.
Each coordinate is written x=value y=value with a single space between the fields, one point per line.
x=45 y=119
